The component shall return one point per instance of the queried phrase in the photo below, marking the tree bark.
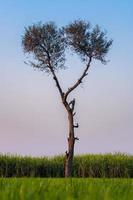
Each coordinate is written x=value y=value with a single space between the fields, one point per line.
x=69 y=106
x=70 y=152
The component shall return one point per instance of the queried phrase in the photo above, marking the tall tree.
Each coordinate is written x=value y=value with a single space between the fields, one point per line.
x=47 y=44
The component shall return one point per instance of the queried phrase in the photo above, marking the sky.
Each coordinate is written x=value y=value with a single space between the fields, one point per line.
x=32 y=118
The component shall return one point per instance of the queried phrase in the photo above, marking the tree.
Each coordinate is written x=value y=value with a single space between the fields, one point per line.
x=47 y=44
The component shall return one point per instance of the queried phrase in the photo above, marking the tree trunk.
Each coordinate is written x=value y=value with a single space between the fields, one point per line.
x=71 y=141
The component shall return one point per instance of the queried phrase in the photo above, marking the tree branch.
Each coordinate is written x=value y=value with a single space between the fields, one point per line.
x=57 y=83
x=76 y=138
x=76 y=126
x=54 y=76
x=74 y=113
x=79 y=81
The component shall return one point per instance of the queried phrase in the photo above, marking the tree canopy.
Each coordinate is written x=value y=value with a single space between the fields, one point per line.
x=47 y=43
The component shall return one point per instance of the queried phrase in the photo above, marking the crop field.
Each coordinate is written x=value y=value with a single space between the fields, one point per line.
x=65 y=189
x=85 y=166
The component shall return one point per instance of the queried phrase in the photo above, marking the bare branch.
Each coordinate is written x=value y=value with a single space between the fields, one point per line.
x=79 y=81
x=76 y=126
x=76 y=138
x=54 y=76
x=57 y=83
x=74 y=113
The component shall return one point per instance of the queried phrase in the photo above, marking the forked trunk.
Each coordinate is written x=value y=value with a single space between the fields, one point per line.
x=70 y=152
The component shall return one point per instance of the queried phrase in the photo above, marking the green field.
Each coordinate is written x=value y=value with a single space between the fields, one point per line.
x=65 y=189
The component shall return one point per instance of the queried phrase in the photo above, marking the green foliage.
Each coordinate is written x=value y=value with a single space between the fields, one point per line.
x=67 y=189
x=108 y=165
x=87 y=42
x=46 y=43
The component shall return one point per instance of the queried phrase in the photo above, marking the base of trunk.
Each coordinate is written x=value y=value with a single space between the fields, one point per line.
x=68 y=165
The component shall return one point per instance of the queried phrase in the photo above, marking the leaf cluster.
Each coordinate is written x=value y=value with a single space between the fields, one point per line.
x=87 y=42
x=46 y=43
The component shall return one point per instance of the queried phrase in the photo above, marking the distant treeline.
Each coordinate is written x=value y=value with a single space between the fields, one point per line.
x=107 y=165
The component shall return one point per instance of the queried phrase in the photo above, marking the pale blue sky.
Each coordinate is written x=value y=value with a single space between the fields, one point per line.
x=32 y=119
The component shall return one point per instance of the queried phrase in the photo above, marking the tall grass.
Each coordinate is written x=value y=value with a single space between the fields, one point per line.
x=98 y=166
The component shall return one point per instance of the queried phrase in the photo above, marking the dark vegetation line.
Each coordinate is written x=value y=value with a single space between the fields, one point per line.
x=107 y=165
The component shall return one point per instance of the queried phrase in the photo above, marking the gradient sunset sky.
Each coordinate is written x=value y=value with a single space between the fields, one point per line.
x=32 y=118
